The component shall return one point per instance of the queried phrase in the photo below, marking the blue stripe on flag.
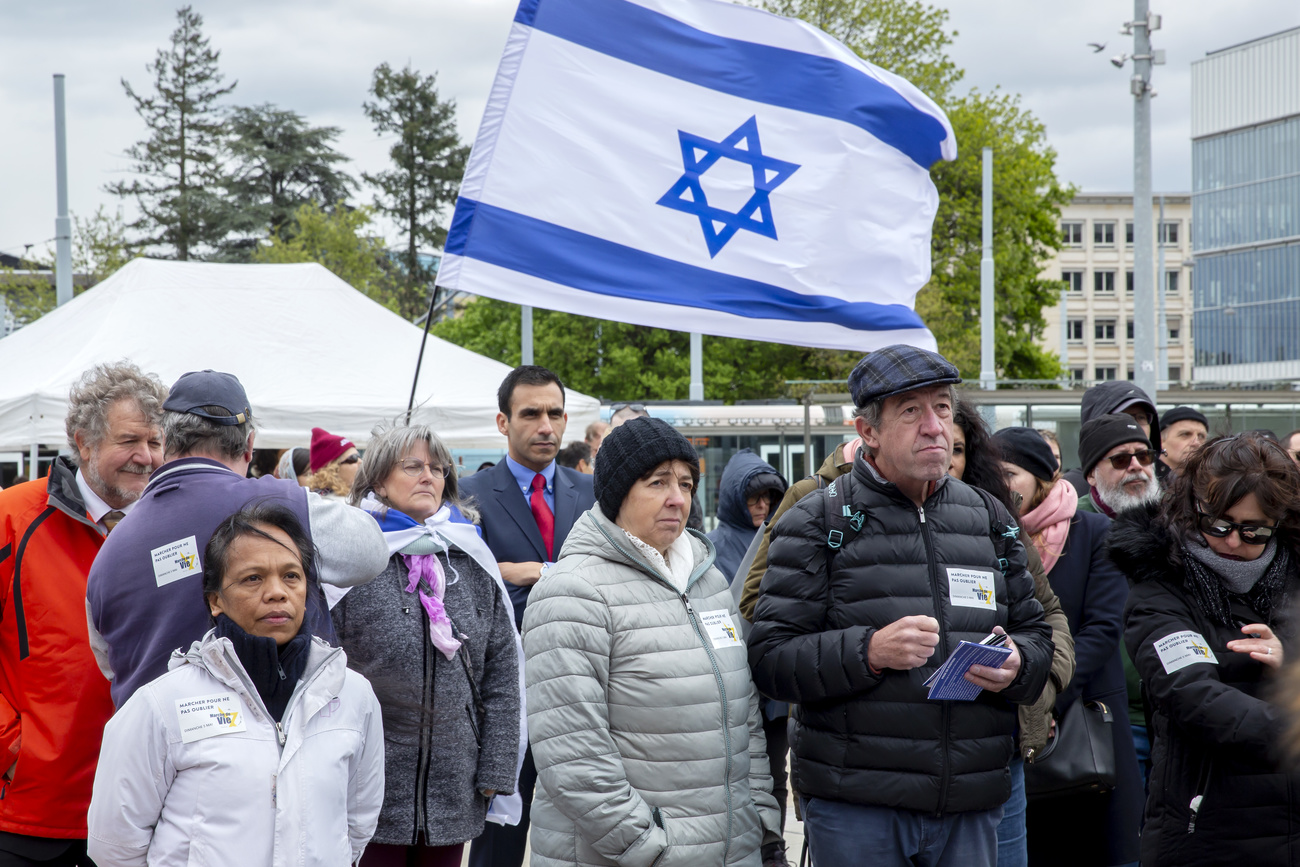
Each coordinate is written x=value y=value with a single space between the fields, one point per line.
x=762 y=73
x=549 y=252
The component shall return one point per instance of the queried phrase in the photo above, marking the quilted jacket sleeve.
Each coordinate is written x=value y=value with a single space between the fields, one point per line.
x=567 y=643
x=793 y=656
x=132 y=779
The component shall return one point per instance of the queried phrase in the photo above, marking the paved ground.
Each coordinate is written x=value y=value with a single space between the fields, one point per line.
x=793 y=839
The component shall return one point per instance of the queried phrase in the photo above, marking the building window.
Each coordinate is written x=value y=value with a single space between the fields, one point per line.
x=1103 y=281
x=1175 y=373
x=1169 y=233
x=1103 y=233
x=1104 y=330
x=1171 y=282
x=1073 y=280
x=1128 y=232
x=1129 y=329
x=1175 y=328
x=1132 y=375
x=1103 y=374
x=1074 y=330
x=1076 y=374
x=1072 y=234
x=1128 y=281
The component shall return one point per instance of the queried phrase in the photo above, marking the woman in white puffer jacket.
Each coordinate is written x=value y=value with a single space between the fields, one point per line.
x=258 y=746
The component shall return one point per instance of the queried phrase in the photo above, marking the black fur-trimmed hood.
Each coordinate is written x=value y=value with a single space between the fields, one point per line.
x=1142 y=547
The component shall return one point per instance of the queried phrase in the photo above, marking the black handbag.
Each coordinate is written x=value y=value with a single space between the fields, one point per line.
x=1079 y=759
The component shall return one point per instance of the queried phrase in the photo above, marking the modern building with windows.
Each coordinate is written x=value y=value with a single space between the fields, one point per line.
x=1246 y=210
x=1095 y=266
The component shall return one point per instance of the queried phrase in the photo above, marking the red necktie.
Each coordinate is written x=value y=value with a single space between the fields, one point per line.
x=543 y=515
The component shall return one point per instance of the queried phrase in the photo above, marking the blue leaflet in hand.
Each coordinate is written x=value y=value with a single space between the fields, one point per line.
x=948 y=684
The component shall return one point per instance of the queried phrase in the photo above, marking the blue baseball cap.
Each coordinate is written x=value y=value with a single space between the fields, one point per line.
x=208 y=388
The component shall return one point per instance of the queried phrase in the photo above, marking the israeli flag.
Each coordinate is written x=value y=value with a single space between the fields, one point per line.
x=700 y=166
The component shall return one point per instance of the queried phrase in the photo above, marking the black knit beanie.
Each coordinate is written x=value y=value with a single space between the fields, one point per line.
x=1026 y=448
x=633 y=449
x=1103 y=433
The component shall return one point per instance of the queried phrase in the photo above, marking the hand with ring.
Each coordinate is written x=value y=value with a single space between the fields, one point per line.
x=1263 y=646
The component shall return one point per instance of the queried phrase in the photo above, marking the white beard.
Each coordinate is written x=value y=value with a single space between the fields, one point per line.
x=1120 y=500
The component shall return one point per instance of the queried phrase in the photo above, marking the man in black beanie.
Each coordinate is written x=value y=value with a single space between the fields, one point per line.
x=1183 y=430
x=1118 y=396
x=1119 y=464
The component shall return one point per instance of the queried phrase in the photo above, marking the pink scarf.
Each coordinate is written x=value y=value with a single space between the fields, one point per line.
x=1049 y=523
x=426 y=566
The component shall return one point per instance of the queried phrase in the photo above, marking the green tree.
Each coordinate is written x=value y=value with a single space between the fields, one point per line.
x=428 y=161
x=911 y=39
x=280 y=163
x=620 y=361
x=337 y=240
x=99 y=245
x=180 y=175
x=99 y=248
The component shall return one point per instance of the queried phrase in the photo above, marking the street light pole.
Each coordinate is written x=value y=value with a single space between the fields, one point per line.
x=1144 y=308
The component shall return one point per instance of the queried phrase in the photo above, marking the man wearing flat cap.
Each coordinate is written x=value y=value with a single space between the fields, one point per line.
x=871 y=584
x=143 y=596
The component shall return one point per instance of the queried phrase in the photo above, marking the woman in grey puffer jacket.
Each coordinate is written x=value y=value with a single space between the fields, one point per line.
x=643 y=719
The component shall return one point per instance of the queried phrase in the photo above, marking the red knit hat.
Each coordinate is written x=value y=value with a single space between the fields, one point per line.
x=325 y=447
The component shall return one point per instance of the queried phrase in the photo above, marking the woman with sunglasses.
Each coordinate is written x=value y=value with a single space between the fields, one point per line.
x=1214 y=571
x=334 y=462
x=435 y=635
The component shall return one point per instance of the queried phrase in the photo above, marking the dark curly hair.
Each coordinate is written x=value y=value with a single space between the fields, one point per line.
x=1228 y=468
x=983 y=455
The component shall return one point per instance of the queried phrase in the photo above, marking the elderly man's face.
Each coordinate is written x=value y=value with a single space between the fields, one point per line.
x=913 y=444
x=117 y=468
x=1130 y=485
x=1181 y=440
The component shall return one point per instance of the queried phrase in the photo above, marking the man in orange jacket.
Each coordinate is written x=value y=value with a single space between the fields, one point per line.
x=53 y=699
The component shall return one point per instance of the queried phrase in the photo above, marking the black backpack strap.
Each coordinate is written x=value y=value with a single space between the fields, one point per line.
x=843 y=518
x=1004 y=533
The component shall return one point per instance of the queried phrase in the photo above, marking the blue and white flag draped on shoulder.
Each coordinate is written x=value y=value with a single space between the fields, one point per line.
x=700 y=166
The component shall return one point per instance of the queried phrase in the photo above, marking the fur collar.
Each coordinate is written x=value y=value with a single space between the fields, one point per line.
x=1142 y=547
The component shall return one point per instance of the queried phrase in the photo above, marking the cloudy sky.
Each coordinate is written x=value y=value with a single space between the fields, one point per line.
x=317 y=57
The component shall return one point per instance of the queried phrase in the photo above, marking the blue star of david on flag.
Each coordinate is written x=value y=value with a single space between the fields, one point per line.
x=700 y=154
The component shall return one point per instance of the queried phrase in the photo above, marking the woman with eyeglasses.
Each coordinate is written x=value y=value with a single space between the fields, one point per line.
x=435 y=635
x=1214 y=573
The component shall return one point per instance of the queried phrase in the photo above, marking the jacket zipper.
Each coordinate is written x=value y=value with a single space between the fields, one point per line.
x=726 y=723
x=422 y=760
x=717 y=675
x=945 y=776
x=1198 y=800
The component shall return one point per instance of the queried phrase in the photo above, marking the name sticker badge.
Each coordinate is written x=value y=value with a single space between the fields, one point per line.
x=721 y=631
x=1183 y=649
x=210 y=715
x=175 y=560
x=970 y=588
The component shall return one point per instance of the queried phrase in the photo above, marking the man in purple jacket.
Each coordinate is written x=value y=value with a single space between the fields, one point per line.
x=143 y=595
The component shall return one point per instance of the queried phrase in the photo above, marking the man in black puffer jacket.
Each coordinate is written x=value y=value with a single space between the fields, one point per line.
x=851 y=634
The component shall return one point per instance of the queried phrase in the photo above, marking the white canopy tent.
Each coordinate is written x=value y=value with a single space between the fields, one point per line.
x=310 y=350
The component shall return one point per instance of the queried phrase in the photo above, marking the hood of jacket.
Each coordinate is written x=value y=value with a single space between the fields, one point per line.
x=323 y=676
x=595 y=535
x=740 y=471
x=1107 y=397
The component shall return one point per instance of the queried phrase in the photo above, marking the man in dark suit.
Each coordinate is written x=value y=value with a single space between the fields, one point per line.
x=527 y=504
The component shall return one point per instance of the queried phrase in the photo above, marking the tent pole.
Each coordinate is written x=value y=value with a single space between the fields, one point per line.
x=428 y=320
x=34 y=463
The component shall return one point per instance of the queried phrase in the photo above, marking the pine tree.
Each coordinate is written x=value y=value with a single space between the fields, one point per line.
x=428 y=162
x=179 y=167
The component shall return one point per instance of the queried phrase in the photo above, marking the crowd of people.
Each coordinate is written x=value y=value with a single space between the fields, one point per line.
x=370 y=658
